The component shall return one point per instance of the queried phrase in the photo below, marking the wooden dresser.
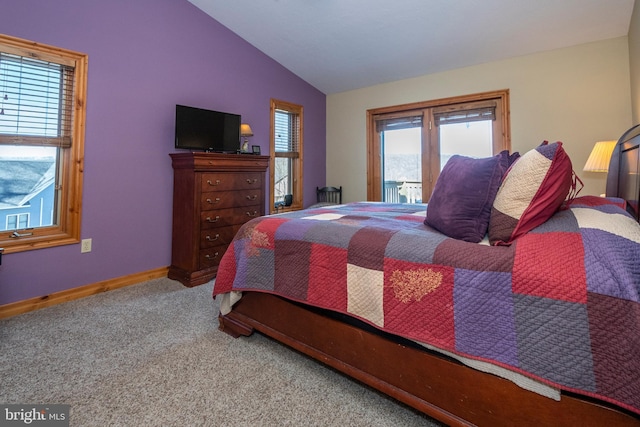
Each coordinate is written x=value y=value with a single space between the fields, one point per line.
x=213 y=195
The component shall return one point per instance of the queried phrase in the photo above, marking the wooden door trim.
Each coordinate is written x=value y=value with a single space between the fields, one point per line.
x=374 y=164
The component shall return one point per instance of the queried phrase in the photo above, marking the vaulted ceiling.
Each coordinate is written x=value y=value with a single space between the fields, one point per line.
x=339 y=45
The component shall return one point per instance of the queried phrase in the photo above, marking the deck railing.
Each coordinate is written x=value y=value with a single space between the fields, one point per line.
x=403 y=192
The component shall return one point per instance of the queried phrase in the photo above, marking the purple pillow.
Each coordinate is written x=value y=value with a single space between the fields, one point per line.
x=460 y=205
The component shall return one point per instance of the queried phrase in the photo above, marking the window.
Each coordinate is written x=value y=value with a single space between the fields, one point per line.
x=286 y=156
x=42 y=118
x=16 y=221
x=408 y=145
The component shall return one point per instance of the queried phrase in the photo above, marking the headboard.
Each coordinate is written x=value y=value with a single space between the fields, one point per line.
x=623 y=179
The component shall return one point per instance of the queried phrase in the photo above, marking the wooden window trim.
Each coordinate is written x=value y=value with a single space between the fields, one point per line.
x=298 y=160
x=70 y=162
x=374 y=163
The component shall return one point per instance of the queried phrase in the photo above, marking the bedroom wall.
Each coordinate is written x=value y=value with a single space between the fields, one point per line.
x=578 y=95
x=634 y=61
x=145 y=56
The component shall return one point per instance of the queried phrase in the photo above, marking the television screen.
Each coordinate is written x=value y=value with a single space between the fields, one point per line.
x=207 y=130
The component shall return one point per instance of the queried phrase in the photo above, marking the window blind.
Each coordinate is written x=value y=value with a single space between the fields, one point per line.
x=36 y=101
x=287 y=140
x=395 y=123
x=451 y=116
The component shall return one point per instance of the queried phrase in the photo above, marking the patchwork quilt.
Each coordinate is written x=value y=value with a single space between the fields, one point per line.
x=560 y=305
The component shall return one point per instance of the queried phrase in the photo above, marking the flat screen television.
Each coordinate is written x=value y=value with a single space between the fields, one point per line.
x=207 y=130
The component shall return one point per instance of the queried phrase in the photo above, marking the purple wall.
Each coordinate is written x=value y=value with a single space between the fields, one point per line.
x=145 y=56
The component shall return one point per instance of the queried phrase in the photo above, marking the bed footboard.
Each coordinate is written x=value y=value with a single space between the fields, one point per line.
x=435 y=385
x=234 y=326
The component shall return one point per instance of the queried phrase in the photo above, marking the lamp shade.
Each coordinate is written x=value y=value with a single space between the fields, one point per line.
x=600 y=156
x=245 y=130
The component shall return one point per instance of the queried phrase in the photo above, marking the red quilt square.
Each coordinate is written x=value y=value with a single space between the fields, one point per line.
x=615 y=324
x=472 y=256
x=226 y=271
x=291 y=268
x=418 y=301
x=598 y=201
x=550 y=265
x=328 y=277
x=367 y=247
x=267 y=230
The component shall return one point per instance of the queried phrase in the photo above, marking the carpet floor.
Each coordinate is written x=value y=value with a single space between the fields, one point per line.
x=151 y=355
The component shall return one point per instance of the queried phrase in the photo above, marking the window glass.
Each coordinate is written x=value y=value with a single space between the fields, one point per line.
x=402 y=159
x=471 y=139
x=28 y=190
x=286 y=156
x=408 y=145
x=283 y=178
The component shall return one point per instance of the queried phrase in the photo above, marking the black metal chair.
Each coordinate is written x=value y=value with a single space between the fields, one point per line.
x=329 y=195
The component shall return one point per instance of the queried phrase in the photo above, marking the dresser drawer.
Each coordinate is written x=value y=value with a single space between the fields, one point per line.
x=218 y=236
x=211 y=257
x=229 y=199
x=225 y=217
x=231 y=181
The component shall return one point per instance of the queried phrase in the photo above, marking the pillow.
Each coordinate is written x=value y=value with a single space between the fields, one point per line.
x=532 y=191
x=460 y=205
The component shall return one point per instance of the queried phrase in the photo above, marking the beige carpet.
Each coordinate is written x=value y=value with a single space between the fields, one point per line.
x=151 y=355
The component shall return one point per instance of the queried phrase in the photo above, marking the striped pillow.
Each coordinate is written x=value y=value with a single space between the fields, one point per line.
x=532 y=191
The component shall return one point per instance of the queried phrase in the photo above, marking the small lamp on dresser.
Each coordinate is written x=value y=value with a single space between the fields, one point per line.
x=245 y=133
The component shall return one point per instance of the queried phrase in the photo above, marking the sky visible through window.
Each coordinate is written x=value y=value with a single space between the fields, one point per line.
x=402 y=148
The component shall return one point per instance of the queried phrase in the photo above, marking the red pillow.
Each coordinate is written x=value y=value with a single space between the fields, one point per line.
x=532 y=191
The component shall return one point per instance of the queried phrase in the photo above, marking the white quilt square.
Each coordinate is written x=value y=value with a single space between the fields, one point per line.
x=617 y=224
x=365 y=293
x=324 y=216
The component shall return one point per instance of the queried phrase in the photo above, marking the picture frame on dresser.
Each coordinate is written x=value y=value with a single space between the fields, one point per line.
x=214 y=194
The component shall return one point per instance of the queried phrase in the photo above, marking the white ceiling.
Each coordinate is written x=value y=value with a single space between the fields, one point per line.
x=339 y=45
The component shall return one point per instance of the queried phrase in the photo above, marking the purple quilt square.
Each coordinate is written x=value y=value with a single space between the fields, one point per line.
x=254 y=271
x=484 y=315
x=414 y=245
x=293 y=230
x=331 y=233
x=554 y=342
x=562 y=221
x=611 y=264
x=615 y=337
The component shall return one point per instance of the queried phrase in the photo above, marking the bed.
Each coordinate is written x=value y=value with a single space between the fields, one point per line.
x=541 y=327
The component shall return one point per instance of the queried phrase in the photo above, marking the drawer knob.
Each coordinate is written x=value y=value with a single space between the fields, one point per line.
x=213 y=202
x=255 y=196
x=214 y=219
x=212 y=183
x=255 y=213
x=252 y=181
x=207 y=256
x=211 y=239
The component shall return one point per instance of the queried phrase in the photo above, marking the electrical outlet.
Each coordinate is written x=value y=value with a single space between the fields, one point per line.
x=85 y=246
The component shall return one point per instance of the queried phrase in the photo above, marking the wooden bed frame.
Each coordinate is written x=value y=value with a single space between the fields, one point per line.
x=432 y=383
